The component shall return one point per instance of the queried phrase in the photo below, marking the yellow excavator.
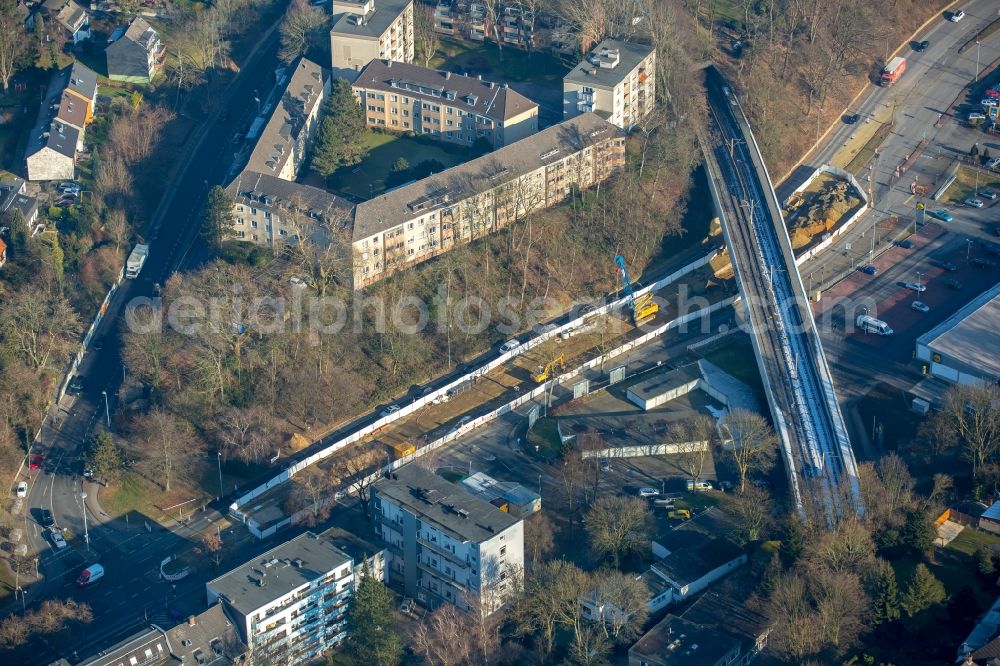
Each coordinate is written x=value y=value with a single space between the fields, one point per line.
x=544 y=372
x=643 y=307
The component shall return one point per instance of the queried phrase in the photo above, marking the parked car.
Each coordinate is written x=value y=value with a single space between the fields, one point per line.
x=648 y=492
x=993 y=163
x=57 y=538
x=68 y=187
x=36 y=461
x=22 y=489
x=509 y=346
x=946 y=265
x=952 y=284
x=988 y=194
x=391 y=409
x=974 y=203
x=406 y=606
x=605 y=465
x=915 y=286
x=920 y=306
x=852 y=118
x=920 y=47
x=983 y=262
x=679 y=514
x=956 y=16
x=941 y=214
x=976 y=116
x=698 y=485
x=869 y=270
x=75 y=385
x=905 y=244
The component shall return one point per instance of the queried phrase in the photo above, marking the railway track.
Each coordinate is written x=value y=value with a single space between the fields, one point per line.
x=803 y=402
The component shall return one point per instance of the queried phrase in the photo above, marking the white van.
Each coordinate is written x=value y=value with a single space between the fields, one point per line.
x=698 y=486
x=90 y=575
x=873 y=325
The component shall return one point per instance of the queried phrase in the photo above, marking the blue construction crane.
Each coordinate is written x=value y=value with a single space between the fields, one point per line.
x=642 y=308
x=626 y=282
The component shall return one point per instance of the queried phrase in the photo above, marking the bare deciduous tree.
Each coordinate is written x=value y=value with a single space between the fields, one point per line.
x=618 y=526
x=973 y=411
x=312 y=489
x=624 y=600
x=752 y=443
x=248 y=434
x=356 y=467
x=425 y=38
x=170 y=444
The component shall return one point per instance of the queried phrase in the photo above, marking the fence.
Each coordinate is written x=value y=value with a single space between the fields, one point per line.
x=846 y=225
x=538 y=391
x=648 y=450
x=421 y=402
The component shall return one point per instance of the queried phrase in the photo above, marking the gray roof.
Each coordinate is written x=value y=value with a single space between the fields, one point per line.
x=81 y=80
x=272 y=193
x=356 y=546
x=665 y=382
x=459 y=182
x=57 y=136
x=470 y=94
x=317 y=557
x=697 y=547
x=729 y=613
x=373 y=24
x=971 y=336
x=277 y=140
x=434 y=500
x=128 y=53
x=589 y=73
x=486 y=487
x=72 y=17
x=675 y=641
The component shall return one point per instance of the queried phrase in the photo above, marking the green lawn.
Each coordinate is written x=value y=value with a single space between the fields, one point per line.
x=738 y=359
x=965 y=185
x=368 y=178
x=970 y=540
x=512 y=65
x=546 y=437
x=131 y=493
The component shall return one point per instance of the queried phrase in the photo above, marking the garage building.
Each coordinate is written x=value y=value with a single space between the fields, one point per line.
x=965 y=348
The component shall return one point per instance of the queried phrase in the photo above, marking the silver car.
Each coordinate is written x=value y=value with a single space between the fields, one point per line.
x=915 y=286
x=920 y=306
x=975 y=203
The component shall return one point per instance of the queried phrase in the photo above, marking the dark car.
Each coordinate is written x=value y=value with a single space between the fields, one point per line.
x=97 y=344
x=905 y=244
x=869 y=270
x=946 y=265
x=991 y=249
x=852 y=118
x=982 y=262
x=988 y=194
x=919 y=47
x=952 y=284
x=45 y=518
x=75 y=386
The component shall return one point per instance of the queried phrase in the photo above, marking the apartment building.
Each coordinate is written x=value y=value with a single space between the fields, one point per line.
x=283 y=143
x=271 y=211
x=58 y=134
x=134 y=52
x=289 y=604
x=514 y=23
x=445 y=544
x=451 y=107
x=366 y=30
x=617 y=81
x=414 y=223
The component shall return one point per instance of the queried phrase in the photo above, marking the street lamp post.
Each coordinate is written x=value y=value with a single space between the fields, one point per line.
x=968 y=249
x=977 y=60
x=86 y=533
x=107 y=409
x=219 y=459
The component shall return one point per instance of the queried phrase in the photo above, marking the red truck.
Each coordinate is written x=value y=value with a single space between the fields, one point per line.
x=892 y=71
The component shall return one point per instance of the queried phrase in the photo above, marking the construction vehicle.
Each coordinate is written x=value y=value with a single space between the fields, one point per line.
x=642 y=308
x=544 y=372
x=401 y=449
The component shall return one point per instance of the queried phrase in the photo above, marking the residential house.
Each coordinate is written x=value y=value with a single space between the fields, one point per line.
x=366 y=30
x=675 y=641
x=617 y=81
x=58 y=134
x=283 y=143
x=507 y=496
x=271 y=211
x=206 y=639
x=289 y=604
x=70 y=16
x=13 y=198
x=696 y=553
x=134 y=52
x=446 y=545
x=451 y=107
x=416 y=222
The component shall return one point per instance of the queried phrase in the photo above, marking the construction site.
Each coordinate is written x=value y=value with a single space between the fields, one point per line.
x=820 y=208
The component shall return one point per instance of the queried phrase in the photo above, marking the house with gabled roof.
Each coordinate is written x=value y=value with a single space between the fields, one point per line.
x=134 y=52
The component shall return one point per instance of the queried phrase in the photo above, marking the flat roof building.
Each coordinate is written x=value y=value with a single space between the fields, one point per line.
x=617 y=81
x=446 y=106
x=675 y=641
x=505 y=495
x=965 y=348
x=446 y=545
x=289 y=604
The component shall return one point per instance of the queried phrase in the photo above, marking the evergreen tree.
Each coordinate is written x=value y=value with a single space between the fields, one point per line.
x=974 y=151
x=371 y=635
x=885 y=596
x=217 y=216
x=919 y=531
x=986 y=561
x=20 y=235
x=792 y=541
x=340 y=138
x=923 y=591
x=986 y=155
x=104 y=458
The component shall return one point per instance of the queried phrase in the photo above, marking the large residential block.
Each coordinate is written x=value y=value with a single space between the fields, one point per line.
x=414 y=223
x=366 y=30
x=451 y=107
x=513 y=23
x=617 y=81
x=271 y=211
x=445 y=544
x=134 y=52
x=289 y=604
x=281 y=149
x=65 y=111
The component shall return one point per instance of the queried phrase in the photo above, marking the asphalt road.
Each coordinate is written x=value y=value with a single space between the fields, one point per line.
x=131 y=592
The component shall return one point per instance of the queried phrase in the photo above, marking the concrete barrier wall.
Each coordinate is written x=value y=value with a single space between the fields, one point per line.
x=642 y=451
x=846 y=224
x=418 y=404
